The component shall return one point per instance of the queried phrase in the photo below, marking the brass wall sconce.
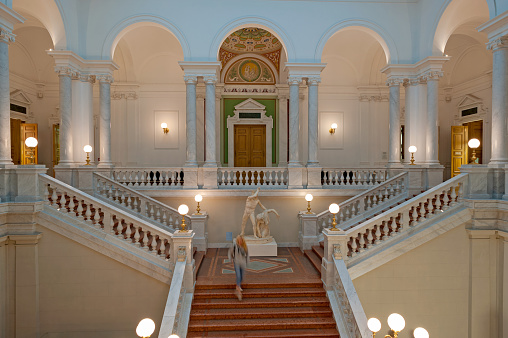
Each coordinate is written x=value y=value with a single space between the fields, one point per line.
x=31 y=143
x=88 y=150
x=334 y=209
x=332 y=129
x=412 y=150
x=309 y=198
x=164 y=127
x=396 y=323
x=183 y=210
x=474 y=143
x=198 y=198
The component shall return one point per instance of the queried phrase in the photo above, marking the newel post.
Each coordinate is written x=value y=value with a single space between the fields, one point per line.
x=335 y=242
x=181 y=250
x=199 y=225
x=309 y=230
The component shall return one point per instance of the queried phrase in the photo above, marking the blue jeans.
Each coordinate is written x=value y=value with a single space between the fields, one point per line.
x=239 y=274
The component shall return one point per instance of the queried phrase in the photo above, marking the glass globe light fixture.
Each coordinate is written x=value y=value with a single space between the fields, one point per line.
x=198 y=198
x=332 y=128
x=88 y=150
x=174 y=336
x=412 y=150
x=183 y=210
x=164 y=127
x=31 y=143
x=473 y=144
x=396 y=322
x=420 y=332
x=334 y=209
x=374 y=325
x=309 y=198
x=145 y=328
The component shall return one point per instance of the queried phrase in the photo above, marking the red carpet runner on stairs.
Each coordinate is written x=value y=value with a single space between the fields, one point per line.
x=283 y=297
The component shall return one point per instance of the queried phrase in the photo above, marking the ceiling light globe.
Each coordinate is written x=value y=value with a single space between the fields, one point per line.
x=183 y=209
x=334 y=125
x=334 y=208
x=420 y=332
x=374 y=324
x=87 y=148
x=31 y=142
x=198 y=198
x=412 y=149
x=164 y=125
x=174 y=336
x=145 y=328
x=309 y=197
x=396 y=322
x=473 y=143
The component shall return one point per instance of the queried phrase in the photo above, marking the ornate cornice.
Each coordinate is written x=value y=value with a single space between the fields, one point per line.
x=6 y=36
x=498 y=43
x=190 y=79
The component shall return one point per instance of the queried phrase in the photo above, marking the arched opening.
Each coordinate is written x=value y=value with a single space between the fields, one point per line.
x=353 y=94
x=148 y=90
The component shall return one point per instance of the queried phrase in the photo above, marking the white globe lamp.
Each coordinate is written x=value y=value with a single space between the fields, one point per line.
x=396 y=322
x=309 y=198
x=145 y=328
x=183 y=210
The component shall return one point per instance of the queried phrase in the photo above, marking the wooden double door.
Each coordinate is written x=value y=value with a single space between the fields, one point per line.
x=20 y=153
x=461 y=154
x=250 y=145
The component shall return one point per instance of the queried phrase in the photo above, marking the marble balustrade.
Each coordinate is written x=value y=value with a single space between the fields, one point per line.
x=366 y=204
x=242 y=177
x=147 y=208
x=131 y=230
x=150 y=177
x=336 y=177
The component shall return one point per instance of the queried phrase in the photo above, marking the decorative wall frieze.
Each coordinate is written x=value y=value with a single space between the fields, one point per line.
x=250 y=89
x=124 y=95
x=501 y=42
x=6 y=36
x=374 y=98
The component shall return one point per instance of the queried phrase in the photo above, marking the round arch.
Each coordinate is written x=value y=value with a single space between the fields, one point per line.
x=245 y=22
x=365 y=26
x=129 y=24
x=450 y=18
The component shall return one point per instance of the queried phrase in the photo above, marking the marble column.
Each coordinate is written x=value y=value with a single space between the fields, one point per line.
x=105 y=120
x=6 y=37
x=211 y=160
x=191 y=120
x=431 y=144
x=312 y=84
x=407 y=119
x=394 y=125
x=499 y=101
x=294 y=121
x=66 y=145
x=283 y=130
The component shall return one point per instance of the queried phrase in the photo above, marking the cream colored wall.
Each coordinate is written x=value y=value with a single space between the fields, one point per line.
x=225 y=214
x=83 y=291
x=428 y=286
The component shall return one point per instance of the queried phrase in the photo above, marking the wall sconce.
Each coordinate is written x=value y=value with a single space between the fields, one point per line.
x=145 y=328
x=31 y=143
x=334 y=209
x=183 y=210
x=308 y=198
x=395 y=321
x=88 y=150
x=473 y=144
x=412 y=150
x=333 y=127
x=198 y=198
x=164 y=127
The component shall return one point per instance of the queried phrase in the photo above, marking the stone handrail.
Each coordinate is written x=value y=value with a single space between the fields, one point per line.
x=145 y=207
x=367 y=203
x=406 y=216
x=347 y=308
x=149 y=177
x=95 y=213
x=169 y=323
x=248 y=177
x=350 y=177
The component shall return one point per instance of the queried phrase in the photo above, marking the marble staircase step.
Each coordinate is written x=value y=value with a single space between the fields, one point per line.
x=260 y=285
x=311 y=333
x=255 y=324
x=261 y=293
x=315 y=255
x=225 y=303
x=277 y=312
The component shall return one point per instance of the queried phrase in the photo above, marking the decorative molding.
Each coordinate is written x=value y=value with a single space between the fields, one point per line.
x=6 y=36
x=250 y=89
x=124 y=95
x=374 y=98
x=336 y=251
x=181 y=255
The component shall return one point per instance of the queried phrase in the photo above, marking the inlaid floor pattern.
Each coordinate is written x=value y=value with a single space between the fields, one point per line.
x=283 y=297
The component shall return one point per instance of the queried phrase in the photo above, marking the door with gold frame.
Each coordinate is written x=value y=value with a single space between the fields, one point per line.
x=459 y=148
x=56 y=144
x=28 y=155
x=16 y=141
x=250 y=146
x=475 y=130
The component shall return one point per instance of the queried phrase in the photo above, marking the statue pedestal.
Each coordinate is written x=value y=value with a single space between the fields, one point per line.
x=261 y=247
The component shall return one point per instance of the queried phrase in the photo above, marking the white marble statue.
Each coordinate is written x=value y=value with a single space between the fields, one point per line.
x=261 y=230
x=250 y=207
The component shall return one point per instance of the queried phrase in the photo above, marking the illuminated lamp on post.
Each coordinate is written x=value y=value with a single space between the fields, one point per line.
x=309 y=198
x=473 y=143
x=412 y=150
x=88 y=150
x=183 y=210
x=334 y=209
x=31 y=143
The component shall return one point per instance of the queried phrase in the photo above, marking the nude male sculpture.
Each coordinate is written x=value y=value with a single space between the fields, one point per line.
x=250 y=207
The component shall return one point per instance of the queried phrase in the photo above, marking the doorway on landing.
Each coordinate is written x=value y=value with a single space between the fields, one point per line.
x=461 y=153
x=250 y=146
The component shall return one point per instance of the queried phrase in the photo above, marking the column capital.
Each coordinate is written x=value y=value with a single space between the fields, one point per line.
x=313 y=80
x=394 y=81
x=105 y=78
x=83 y=77
x=6 y=36
x=499 y=43
x=432 y=75
x=210 y=79
x=415 y=81
x=66 y=71
x=190 y=79
x=295 y=80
